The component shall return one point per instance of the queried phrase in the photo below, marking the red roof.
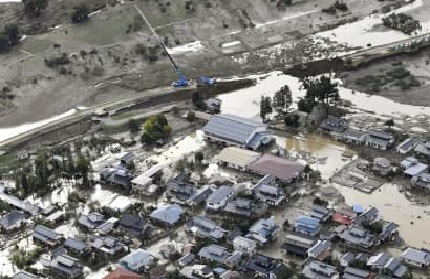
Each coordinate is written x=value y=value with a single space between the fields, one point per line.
x=279 y=167
x=121 y=273
x=341 y=219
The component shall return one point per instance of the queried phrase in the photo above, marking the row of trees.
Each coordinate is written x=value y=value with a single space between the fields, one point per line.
x=39 y=177
x=280 y=102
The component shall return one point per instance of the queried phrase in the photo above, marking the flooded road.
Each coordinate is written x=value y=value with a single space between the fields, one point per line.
x=395 y=207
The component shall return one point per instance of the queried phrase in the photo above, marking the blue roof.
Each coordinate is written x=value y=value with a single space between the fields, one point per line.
x=357 y=208
x=169 y=214
x=307 y=221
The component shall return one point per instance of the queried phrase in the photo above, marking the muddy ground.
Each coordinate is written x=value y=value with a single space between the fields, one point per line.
x=102 y=52
x=419 y=67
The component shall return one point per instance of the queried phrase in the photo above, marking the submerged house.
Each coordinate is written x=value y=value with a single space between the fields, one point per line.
x=315 y=269
x=237 y=131
x=116 y=176
x=46 y=236
x=135 y=226
x=379 y=139
x=407 y=146
x=268 y=192
x=264 y=231
x=416 y=257
x=334 y=126
x=307 y=225
x=421 y=181
x=298 y=244
x=282 y=169
x=411 y=166
x=422 y=150
x=354 y=137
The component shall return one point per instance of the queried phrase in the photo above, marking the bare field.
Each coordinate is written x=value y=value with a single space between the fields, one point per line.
x=418 y=65
x=110 y=66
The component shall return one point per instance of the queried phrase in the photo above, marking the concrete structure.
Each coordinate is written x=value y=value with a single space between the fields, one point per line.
x=237 y=158
x=237 y=131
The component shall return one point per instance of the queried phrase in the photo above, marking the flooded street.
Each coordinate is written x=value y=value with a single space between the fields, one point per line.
x=395 y=207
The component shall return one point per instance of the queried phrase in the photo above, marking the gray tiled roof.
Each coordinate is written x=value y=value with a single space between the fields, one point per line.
x=416 y=255
x=75 y=244
x=220 y=194
x=11 y=219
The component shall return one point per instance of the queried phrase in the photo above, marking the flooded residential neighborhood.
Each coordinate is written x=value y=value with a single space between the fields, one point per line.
x=282 y=139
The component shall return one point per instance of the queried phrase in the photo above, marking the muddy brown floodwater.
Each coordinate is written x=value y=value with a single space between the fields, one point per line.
x=413 y=218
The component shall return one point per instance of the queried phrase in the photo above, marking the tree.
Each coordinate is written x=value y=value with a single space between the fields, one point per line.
x=156 y=128
x=80 y=13
x=198 y=101
x=83 y=167
x=265 y=107
x=133 y=125
x=4 y=42
x=292 y=120
x=191 y=116
x=389 y=123
x=198 y=157
x=282 y=100
x=319 y=89
x=12 y=32
x=34 y=7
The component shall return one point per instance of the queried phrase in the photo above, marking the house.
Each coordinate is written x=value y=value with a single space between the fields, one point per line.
x=214 y=253
x=406 y=146
x=186 y=260
x=66 y=267
x=415 y=257
x=263 y=266
x=24 y=206
x=282 y=169
x=412 y=166
x=122 y=273
x=219 y=198
x=204 y=227
x=395 y=268
x=135 y=226
x=168 y=215
x=236 y=131
x=25 y=275
x=369 y=216
x=139 y=260
x=107 y=244
x=12 y=220
x=382 y=166
x=346 y=259
x=318 y=270
x=358 y=237
x=388 y=231
x=307 y=225
x=268 y=192
x=237 y=158
x=334 y=126
x=422 y=150
x=245 y=208
x=144 y=183
x=127 y=158
x=76 y=246
x=320 y=212
x=344 y=216
x=354 y=137
x=421 y=181
x=180 y=189
x=92 y=220
x=355 y=273
x=46 y=236
x=199 y=196
x=298 y=244
x=379 y=139
x=320 y=251
x=264 y=231
x=116 y=176
x=245 y=245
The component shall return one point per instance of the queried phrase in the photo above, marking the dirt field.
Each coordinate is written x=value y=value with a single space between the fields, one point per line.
x=102 y=52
